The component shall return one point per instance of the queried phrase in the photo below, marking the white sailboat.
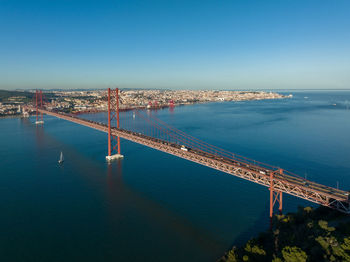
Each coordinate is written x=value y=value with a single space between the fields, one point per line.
x=60 y=161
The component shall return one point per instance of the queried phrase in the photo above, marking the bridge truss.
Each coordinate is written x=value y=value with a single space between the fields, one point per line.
x=152 y=132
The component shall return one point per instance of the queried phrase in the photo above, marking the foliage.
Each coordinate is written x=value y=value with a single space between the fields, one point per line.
x=293 y=254
x=251 y=248
x=324 y=225
x=309 y=234
x=25 y=96
x=231 y=255
x=22 y=96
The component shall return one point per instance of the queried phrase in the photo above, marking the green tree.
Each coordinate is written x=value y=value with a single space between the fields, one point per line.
x=324 y=225
x=346 y=244
x=323 y=241
x=232 y=256
x=342 y=250
x=293 y=254
x=308 y=209
x=333 y=249
x=254 y=249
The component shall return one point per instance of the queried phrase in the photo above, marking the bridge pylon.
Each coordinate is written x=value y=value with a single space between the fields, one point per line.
x=113 y=115
x=39 y=104
x=275 y=195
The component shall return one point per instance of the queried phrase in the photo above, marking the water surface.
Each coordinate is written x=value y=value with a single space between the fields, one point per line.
x=153 y=206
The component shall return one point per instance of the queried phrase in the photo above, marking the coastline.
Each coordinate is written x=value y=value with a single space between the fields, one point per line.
x=12 y=116
x=121 y=109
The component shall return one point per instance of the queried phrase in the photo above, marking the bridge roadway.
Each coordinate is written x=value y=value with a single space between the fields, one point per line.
x=293 y=185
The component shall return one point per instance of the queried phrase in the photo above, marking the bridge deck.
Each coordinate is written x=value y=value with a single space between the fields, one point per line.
x=286 y=183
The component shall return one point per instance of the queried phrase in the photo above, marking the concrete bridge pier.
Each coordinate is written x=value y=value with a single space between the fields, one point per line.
x=114 y=157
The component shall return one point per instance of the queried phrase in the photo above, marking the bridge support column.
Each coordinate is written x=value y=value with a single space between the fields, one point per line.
x=113 y=114
x=39 y=99
x=275 y=196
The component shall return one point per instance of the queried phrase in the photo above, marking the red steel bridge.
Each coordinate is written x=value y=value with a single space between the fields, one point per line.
x=158 y=135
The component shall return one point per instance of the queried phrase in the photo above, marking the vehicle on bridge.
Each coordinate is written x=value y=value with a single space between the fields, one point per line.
x=184 y=148
x=175 y=142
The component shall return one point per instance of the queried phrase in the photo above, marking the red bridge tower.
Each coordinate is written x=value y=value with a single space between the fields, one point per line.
x=275 y=196
x=39 y=100
x=113 y=115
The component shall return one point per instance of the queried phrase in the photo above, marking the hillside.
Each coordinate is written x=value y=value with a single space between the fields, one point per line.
x=319 y=234
x=23 y=96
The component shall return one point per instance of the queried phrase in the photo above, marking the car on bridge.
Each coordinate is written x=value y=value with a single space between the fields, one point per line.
x=184 y=148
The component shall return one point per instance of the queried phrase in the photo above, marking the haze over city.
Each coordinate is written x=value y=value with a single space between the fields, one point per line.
x=175 y=44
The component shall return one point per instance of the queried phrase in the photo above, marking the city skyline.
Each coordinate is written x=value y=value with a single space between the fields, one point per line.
x=174 y=44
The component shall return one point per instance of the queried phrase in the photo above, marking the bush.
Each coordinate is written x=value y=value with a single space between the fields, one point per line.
x=294 y=254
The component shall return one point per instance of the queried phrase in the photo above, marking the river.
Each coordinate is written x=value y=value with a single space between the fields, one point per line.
x=151 y=206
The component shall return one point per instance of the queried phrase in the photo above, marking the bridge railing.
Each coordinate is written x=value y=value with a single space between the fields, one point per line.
x=254 y=171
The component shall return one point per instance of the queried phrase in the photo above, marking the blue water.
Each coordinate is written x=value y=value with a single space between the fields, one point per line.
x=151 y=206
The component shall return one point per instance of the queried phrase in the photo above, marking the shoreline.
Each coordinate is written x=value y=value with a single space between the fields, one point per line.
x=12 y=116
x=95 y=111
x=308 y=234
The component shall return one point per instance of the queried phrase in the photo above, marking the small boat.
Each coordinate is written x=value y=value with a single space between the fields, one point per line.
x=60 y=161
x=133 y=115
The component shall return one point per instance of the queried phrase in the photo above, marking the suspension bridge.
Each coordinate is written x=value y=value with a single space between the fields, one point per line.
x=157 y=134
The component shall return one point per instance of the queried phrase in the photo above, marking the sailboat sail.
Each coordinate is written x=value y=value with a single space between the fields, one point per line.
x=61 y=158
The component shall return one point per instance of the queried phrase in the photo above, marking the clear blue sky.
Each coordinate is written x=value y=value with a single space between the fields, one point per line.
x=175 y=44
